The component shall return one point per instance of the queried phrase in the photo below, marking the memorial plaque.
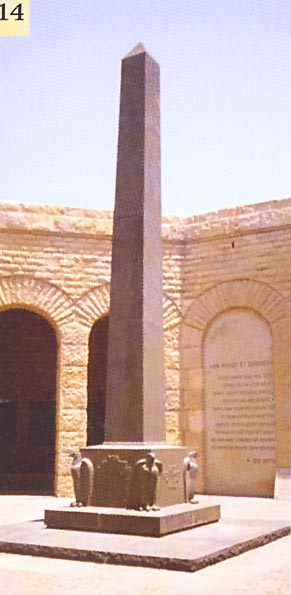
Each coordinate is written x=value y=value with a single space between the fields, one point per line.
x=239 y=405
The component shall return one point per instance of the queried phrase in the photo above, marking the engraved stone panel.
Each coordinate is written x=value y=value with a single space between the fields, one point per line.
x=172 y=476
x=239 y=405
x=113 y=477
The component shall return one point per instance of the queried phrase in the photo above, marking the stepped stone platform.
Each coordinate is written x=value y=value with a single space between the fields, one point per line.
x=244 y=528
x=133 y=522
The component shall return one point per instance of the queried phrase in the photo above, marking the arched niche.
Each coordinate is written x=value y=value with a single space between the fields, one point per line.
x=240 y=436
x=28 y=361
x=97 y=380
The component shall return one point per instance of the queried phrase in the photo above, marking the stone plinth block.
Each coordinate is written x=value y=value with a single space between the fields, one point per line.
x=115 y=480
x=132 y=522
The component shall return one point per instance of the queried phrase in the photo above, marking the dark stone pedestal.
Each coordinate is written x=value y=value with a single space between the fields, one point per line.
x=114 y=502
x=115 y=481
x=133 y=522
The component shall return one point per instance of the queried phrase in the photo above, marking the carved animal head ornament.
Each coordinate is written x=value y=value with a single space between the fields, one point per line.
x=193 y=454
x=75 y=456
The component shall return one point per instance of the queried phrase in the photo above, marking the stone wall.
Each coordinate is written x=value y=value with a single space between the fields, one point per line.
x=237 y=259
x=56 y=262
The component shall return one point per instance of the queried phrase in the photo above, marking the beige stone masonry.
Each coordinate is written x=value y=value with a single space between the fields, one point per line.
x=56 y=262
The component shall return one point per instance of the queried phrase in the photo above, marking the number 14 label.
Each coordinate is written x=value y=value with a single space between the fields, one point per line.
x=14 y=18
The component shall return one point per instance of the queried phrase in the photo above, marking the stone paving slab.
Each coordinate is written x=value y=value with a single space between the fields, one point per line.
x=188 y=550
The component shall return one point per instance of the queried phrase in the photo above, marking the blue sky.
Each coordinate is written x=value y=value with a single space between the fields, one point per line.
x=225 y=101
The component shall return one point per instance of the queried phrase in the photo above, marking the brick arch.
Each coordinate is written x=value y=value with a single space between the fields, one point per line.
x=171 y=313
x=242 y=293
x=37 y=295
x=95 y=303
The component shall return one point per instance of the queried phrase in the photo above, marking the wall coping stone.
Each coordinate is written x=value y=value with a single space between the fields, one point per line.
x=47 y=219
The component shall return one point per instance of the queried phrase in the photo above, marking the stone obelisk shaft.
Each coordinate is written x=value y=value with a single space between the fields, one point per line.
x=135 y=395
x=135 y=409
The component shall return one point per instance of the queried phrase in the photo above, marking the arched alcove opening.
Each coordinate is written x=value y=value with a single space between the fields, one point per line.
x=240 y=434
x=97 y=381
x=28 y=361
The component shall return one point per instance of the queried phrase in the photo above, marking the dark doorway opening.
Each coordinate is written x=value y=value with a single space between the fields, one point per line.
x=97 y=381
x=28 y=360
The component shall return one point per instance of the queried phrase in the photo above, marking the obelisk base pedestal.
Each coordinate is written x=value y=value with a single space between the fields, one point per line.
x=114 y=506
x=132 y=522
x=115 y=481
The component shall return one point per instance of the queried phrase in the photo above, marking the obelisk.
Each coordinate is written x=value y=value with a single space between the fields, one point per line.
x=135 y=390
x=135 y=393
x=135 y=471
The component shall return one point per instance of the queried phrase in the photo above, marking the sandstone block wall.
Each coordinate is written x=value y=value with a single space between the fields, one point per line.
x=56 y=262
x=236 y=259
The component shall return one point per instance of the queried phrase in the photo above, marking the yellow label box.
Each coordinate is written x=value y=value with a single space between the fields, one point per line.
x=14 y=17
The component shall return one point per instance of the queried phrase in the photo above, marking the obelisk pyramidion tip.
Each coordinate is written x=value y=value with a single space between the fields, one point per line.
x=138 y=49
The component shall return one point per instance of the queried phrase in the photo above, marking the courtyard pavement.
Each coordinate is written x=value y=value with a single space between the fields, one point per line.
x=265 y=570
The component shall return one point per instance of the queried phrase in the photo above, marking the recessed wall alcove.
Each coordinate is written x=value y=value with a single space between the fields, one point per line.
x=97 y=381
x=28 y=361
